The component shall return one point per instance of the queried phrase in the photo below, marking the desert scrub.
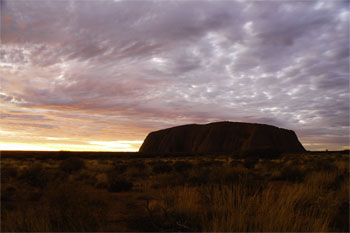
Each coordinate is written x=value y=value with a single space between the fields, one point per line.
x=225 y=175
x=322 y=179
x=7 y=193
x=323 y=165
x=72 y=164
x=119 y=168
x=34 y=175
x=136 y=173
x=8 y=172
x=290 y=173
x=63 y=154
x=161 y=167
x=182 y=166
x=139 y=164
x=169 y=180
x=175 y=210
x=264 y=153
x=65 y=208
x=250 y=162
x=87 y=177
x=342 y=165
x=234 y=208
x=137 y=169
x=118 y=183
x=197 y=177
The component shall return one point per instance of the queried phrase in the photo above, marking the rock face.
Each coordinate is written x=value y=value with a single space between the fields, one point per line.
x=221 y=137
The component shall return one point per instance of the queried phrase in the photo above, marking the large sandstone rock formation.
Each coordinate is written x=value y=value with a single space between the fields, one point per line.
x=221 y=137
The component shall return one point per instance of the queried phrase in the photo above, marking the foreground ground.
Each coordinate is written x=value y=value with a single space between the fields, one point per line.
x=66 y=191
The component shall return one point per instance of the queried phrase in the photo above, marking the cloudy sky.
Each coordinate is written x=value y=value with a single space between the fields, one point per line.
x=100 y=75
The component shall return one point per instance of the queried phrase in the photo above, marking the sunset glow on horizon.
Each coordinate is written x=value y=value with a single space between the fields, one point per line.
x=101 y=146
x=100 y=75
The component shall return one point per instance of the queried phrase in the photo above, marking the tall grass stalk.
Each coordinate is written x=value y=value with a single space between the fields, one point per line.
x=234 y=208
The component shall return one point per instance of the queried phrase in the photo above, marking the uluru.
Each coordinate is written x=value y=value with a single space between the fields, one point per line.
x=221 y=137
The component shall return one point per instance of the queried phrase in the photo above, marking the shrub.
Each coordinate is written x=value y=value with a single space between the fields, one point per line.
x=55 y=175
x=198 y=177
x=119 y=168
x=63 y=154
x=262 y=153
x=291 y=173
x=225 y=175
x=65 y=208
x=323 y=164
x=171 y=179
x=204 y=163
x=35 y=175
x=137 y=169
x=87 y=177
x=181 y=166
x=102 y=181
x=117 y=183
x=134 y=173
x=139 y=164
x=8 y=172
x=250 y=162
x=233 y=208
x=161 y=167
x=72 y=164
x=72 y=208
x=7 y=193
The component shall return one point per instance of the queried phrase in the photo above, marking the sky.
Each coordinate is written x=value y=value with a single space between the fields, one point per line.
x=100 y=75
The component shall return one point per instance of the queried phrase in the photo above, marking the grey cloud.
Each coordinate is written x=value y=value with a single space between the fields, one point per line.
x=5 y=97
x=278 y=63
x=27 y=117
x=32 y=125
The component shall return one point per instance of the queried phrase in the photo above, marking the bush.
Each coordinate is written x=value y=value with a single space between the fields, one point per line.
x=8 y=172
x=181 y=166
x=119 y=185
x=35 y=175
x=72 y=164
x=65 y=208
x=72 y=208
x=323 y=164
x=63 y=154
x=7 y=193
x=139 y=164
x=161 y=167
x=204 y=163
x=292 y=173
x=250 y=162
x=137 y=169
x=87 y=177
x=236 y=208
x=226 y=175
x=263 y=153
x=119 y=168
x=116 y=183
x=198 y=177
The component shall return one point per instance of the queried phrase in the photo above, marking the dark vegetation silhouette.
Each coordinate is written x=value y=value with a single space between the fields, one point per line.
x=72 y=164
x=259 y=190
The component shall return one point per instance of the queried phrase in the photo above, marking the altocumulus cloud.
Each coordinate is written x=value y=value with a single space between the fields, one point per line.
x=101 y=71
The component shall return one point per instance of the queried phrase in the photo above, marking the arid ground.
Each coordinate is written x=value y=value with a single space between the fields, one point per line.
x=76 y=191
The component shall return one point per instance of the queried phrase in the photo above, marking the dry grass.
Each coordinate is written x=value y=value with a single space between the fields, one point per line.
x=234 y=208
x=64 y=208
x=310 y=204
x=293 y=193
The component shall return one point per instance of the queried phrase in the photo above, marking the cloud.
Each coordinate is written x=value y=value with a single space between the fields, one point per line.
x=148 y=65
